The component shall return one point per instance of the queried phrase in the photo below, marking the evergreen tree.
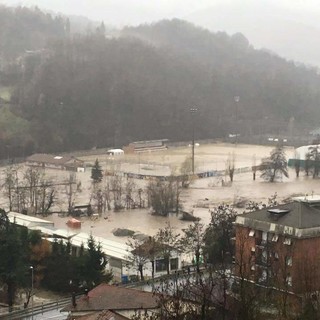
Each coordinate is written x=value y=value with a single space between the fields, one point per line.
x=218 y=235
x=96 y=172
x=314 y=157
x=59 y=268
x=95 y=263
x=275 y=166
x=14 y=262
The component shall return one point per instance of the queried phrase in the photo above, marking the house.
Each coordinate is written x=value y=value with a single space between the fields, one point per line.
x=280 y=247
x=150 y=253
x=124 y=302
x=116 y=252
x=49 y=161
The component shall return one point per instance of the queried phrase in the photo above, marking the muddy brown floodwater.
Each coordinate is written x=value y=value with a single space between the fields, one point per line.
x=209 y=191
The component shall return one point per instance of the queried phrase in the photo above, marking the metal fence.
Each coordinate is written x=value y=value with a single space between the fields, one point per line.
x=36 y=310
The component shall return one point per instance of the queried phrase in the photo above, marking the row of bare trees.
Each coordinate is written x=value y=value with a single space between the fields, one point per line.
x=28 y=190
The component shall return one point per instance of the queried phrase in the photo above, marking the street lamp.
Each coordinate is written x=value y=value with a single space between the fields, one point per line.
x=31 y=268
x=193 y=111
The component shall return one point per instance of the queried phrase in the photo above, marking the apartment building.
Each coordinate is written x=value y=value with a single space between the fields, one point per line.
x=280 y=247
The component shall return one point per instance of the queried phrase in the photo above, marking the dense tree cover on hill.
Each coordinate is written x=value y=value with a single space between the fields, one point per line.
x=23 y=29
x=90 y=90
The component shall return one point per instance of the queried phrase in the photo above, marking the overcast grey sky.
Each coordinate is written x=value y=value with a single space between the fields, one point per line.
x=290 y=28
x=124 y=12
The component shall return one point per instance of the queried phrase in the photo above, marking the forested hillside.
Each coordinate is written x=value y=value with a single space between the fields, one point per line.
x=90 y=90
x=23 y=29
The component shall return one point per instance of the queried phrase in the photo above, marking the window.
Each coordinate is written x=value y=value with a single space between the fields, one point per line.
x=289 y=261
x=264 y=256
x=251 y=233
x=289 y=281
x=174 y=263
x=264 y=236
x=275 y=238
x=270 y=236
x=160 y=265
x=287 y=241
x=276 y=256
x=263 y=276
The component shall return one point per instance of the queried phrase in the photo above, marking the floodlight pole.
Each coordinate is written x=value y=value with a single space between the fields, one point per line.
x=193 y=111
x=236 y=100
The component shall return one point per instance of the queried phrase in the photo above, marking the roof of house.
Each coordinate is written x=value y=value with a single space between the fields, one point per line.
x=109 y=247
x=150 y=248
x=53 y=159
x=103 y=315
x=28 y=221
x=300 y=218
x=108 y=297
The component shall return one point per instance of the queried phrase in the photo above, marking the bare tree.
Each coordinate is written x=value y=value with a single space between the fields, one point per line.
x=98 y=197
x=186 y=172
x=164 y=196
x=32 y=177
x=140 y=253
x=193 y=241
x=297 y=164
x=45 y=196
x=116 y=187
x=10 y=185
x=307 y=163
x=71 y=189
x=230 y=166
x=129 y=187
x=167 y=243
x=254 y=167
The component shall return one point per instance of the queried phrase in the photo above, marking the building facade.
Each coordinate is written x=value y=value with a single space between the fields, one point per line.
x=280 y=247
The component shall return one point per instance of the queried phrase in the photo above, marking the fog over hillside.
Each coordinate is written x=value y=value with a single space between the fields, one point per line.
x=288 y=28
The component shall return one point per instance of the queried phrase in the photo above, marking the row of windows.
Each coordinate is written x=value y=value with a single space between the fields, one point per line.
x=271 y=237
x=264 y=274
x=272 y=254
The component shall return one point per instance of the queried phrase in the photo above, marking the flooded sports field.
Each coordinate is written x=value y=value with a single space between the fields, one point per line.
x=200 y=197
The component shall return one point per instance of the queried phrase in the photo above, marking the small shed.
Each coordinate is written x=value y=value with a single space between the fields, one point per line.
x=115 y=152
x=74 y=223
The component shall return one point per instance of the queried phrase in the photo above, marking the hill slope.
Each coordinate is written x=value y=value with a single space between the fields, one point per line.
x=96 y=91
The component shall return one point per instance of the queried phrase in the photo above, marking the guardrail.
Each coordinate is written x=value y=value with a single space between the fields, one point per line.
x=39 y=309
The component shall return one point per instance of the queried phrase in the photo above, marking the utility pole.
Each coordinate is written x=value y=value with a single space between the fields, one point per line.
x=193 y=111
x=236 y=127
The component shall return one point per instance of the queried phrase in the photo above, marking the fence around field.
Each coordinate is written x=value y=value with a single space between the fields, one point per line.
x=21 y=313
x=199 y=175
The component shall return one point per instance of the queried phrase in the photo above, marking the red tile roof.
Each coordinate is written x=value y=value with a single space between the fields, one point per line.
x=104 y=315
x=108 y=297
